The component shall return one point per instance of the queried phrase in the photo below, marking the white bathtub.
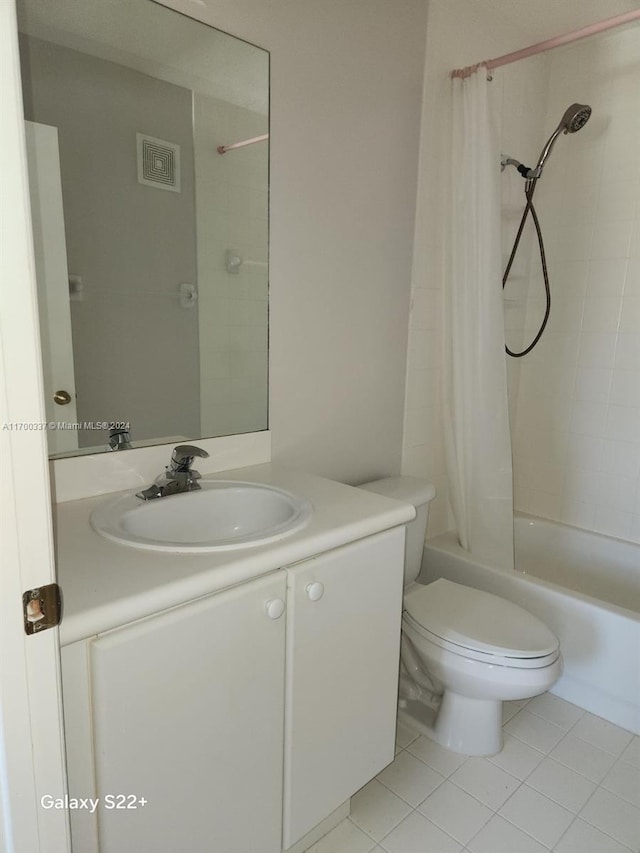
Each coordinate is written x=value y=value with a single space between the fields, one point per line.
x=586 y=587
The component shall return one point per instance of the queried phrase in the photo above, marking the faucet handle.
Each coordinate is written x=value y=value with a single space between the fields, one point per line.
x=183 y=455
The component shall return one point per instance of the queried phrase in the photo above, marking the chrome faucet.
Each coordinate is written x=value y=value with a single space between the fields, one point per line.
x=179 y=476
x=119 y=439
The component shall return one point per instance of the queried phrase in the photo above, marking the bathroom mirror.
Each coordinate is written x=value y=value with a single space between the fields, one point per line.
x=150 y=236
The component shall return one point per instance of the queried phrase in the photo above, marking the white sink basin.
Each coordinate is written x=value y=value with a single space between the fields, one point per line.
x=222 y=515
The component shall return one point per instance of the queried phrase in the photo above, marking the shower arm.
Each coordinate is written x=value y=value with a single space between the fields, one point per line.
x=533 y=174
x=509 y=161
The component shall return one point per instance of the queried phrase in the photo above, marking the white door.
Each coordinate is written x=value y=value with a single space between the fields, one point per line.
x=344 y=611
x=188 y=713
x=31 y=738
x=47 y=217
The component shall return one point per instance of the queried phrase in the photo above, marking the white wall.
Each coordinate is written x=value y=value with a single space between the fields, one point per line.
x=346 y=81
x=577 y=436
x=131 y=244
x=458 y=34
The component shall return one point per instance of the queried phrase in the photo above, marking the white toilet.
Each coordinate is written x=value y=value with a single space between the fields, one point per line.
x=464 y=652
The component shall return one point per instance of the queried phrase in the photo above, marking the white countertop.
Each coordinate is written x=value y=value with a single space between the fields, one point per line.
x=105 y=584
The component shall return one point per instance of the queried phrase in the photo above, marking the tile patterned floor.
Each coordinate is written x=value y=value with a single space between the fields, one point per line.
x=566 y=781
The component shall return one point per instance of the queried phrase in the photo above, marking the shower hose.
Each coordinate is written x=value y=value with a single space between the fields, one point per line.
x=530 y=209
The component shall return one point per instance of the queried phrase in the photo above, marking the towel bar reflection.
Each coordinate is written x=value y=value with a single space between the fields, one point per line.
x=233 y=262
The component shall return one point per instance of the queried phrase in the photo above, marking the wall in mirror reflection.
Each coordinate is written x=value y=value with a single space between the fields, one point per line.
x=166 y=247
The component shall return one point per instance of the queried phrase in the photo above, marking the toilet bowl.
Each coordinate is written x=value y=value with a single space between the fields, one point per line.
x=463 y=651
x=480 y=650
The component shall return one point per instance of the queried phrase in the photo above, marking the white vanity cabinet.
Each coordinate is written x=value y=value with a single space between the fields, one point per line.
x=241 y=721
x=343 y=646
x=187 y=711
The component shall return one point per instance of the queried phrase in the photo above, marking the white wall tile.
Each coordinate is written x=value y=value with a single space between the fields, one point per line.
x=611 y=240
x=606 y=278
x=588 y=418
x=593 y=384
x=603 y=242
x=596 y=350
x=622 y=458
x=625 y=388
x=601 y=314
x=623 y=423
x=630 y=314
x=578 y=513
x=613 y=522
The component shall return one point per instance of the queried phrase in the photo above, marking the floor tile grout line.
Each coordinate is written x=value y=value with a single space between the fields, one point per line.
x=617 y=756
x=417 y=809
x=629 y=763
x=444 y=779
x=493 y=813
x=524 y=831
x=595 y=826
x=542 y=717
x=575 y=816
x=448 y=834
x=526 y=743
x=469 y=794
x=538 y=717
x=568 y=767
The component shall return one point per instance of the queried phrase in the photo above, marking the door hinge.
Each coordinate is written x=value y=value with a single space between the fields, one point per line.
x=42 y=608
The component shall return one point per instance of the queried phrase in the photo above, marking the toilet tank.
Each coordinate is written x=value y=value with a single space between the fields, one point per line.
x=414 y=491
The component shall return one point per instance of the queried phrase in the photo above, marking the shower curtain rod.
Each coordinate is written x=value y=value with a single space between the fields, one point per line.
x=222 y=149
x=542 y=46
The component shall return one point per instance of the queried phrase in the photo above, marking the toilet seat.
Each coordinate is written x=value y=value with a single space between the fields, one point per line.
x=479 y=625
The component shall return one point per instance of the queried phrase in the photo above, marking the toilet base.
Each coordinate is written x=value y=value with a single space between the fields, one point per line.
x=463 y=725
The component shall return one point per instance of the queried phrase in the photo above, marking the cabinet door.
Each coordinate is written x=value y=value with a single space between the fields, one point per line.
x=342 y=675
x=187 y=713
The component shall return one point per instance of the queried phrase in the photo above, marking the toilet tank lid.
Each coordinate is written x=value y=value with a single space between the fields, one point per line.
x=411 y=490
x=478 y=620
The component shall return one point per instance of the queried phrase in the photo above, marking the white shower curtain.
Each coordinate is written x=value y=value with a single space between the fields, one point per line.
x=478 y=442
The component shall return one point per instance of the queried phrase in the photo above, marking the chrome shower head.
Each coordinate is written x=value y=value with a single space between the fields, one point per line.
x=574 y=118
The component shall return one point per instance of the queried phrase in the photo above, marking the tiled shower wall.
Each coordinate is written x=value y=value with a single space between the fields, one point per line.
x=576 y=435
x=524 y=88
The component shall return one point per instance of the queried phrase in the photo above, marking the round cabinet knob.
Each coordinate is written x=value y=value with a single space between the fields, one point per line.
x=315 y=591
x=274 y=608
x=62 y=398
